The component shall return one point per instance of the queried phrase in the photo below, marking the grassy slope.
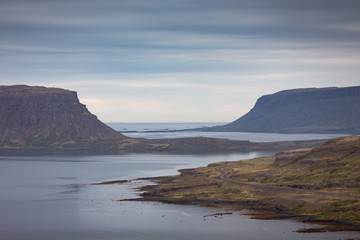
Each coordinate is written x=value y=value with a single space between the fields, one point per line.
x=322 y=182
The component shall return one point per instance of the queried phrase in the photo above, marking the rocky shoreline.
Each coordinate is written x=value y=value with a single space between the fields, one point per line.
x=319 y=185
x=255 y=210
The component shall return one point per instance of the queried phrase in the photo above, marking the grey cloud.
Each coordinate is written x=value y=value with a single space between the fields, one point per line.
x=179 y=14
x=168 y=35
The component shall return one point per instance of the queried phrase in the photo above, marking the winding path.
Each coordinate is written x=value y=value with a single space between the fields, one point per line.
x=224 y=177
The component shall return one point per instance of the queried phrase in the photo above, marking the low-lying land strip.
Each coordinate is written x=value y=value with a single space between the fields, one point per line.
x=195 y=145
x=322 y=183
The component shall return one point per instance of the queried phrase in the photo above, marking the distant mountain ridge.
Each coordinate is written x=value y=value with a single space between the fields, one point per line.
x=308 y=110
x=40 y=120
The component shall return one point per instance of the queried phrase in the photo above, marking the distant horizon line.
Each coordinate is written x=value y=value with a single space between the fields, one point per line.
x=168 y=122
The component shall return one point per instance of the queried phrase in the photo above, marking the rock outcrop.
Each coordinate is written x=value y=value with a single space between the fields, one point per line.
x=39 y=117
x=311 y=110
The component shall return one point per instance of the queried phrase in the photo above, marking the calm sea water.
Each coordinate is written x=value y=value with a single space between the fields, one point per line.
x=51 y=197
x=144 y=127
x=141 y=130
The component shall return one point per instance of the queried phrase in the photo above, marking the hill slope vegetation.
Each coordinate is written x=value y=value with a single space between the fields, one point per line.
x=322 y=182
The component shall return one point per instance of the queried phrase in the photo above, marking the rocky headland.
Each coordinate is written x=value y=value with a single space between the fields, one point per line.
x=50 y=118
x=310 y=110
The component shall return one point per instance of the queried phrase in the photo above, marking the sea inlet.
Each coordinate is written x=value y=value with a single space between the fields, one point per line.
x=53 y=197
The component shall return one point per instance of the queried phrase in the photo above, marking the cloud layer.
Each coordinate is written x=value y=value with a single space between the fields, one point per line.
x=158 y=60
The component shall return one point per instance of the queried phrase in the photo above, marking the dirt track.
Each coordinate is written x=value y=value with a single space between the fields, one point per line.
x=263 y=187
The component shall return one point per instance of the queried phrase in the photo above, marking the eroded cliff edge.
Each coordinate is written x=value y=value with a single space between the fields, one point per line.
x=33 y=117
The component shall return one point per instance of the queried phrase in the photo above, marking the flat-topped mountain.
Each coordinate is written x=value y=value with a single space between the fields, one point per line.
x=38 y=117
x=52 y=120
x=311 y=110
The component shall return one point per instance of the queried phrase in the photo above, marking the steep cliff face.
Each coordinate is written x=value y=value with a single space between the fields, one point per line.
x=37 y=117
x=312 y=110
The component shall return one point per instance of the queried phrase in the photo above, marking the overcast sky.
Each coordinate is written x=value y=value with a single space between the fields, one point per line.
x=178 y=60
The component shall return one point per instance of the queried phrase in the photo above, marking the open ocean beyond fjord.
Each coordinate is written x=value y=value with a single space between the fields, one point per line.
x=169 y=130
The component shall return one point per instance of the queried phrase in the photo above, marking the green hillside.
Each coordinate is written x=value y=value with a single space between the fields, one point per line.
x=322 y=183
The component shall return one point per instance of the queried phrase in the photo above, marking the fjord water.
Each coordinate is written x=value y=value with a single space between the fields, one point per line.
x=52 y=197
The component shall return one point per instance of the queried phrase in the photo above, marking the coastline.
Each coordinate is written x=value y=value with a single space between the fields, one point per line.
x=319 y=185
x=193 y=145
x=254 y=209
